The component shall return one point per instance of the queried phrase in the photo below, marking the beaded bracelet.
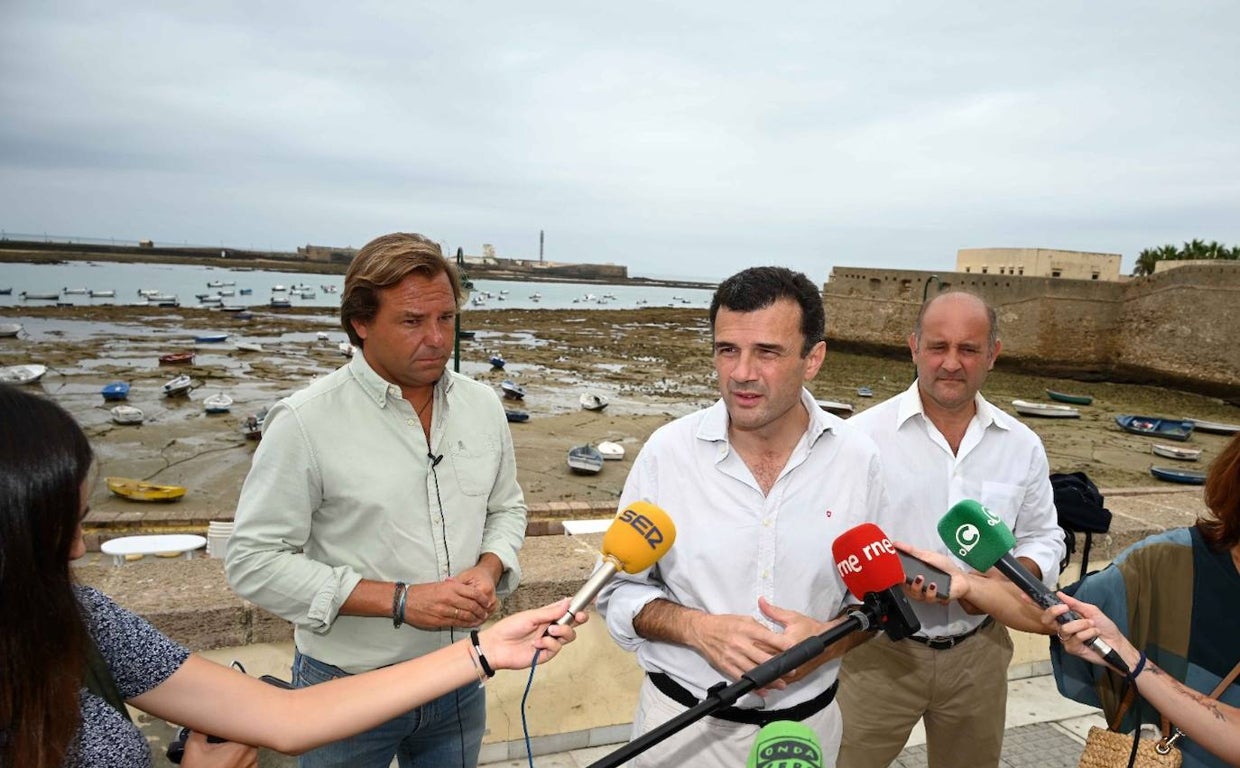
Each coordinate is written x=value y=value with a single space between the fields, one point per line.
x=482 y=659
x=398 y=604
x=1137 y=668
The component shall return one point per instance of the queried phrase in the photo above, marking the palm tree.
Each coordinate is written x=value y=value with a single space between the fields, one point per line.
x=1145 y=262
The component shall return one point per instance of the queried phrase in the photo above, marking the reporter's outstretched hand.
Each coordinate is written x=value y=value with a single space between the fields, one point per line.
x=510 y=642
x=1093 y=623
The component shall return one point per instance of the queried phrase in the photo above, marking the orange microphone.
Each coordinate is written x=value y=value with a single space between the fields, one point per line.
x=640 y=535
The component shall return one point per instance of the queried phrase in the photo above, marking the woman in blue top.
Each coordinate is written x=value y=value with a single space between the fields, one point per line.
x=48 y=717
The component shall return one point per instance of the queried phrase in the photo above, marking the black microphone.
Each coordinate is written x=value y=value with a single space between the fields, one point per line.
x=983 y=540
x=434 y=459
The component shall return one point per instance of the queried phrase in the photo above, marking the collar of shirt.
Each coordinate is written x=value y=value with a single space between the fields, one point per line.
x=378 y=388
x=985 y=415
x=714 y=426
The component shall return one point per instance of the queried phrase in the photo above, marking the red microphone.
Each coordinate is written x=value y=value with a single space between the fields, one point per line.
x=867 y=562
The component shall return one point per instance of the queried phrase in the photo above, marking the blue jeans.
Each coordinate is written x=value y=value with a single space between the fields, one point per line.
x=444 y=733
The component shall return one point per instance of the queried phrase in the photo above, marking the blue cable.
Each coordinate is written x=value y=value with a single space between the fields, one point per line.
x=525 y=727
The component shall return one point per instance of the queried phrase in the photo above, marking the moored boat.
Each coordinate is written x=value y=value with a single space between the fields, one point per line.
x=176 y=358
x=1180 y=452
x=181 y=385
x=1155 y=426
x=592 y=401
x=585 y=460
x=498 y=361
x=217 y=403
x=138 y=490
x=512 y=390
x=1176 y=475
x=1045 y=410
x=252 y=425
x=211 y=338
x=839 y=409
x=249 y=346
x=611 y=451
x=1216 y=427
x=22 y=374
x=1064 y=397
x=39 y=296
x=865 y=392
x=106 y=293
x=516 y=416
x=345 y=348
x=117 y=390
x=126 y=414
x=9 y=330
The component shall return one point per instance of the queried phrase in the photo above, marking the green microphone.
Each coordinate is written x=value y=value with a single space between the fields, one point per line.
x=983 y=540
x=785 y=744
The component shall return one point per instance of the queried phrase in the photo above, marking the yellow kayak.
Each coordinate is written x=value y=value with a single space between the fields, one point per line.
x=137 y=490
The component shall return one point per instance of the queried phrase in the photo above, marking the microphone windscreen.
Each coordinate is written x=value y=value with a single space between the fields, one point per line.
x=867 y=560
x=638 y=537
x=974 y=535
x=785 y=744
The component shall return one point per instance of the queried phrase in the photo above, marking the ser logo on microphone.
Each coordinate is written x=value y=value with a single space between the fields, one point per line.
x=644 y=526
x=872 y=551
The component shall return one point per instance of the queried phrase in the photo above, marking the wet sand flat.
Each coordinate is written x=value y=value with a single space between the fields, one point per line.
x=652 y=364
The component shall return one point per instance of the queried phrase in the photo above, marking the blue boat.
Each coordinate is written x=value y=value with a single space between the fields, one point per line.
x=1155 y=426
x=516 y=416
x=117 y=390
x=497 y=361
x=1176 y=475
x=211 y=338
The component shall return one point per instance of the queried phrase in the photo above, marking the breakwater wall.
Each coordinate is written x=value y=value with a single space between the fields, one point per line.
x=1175 y=328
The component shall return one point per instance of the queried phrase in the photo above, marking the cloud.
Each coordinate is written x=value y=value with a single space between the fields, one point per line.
x=692 y=138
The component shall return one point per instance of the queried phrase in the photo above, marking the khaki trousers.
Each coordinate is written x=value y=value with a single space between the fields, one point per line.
x=710 y=742
x=886 y=687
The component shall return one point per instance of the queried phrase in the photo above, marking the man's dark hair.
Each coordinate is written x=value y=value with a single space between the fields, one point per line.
x=760 y=287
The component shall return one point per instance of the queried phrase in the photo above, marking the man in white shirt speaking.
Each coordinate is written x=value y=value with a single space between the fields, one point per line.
x=759 y=485
x=942 y=442
x=382 y=514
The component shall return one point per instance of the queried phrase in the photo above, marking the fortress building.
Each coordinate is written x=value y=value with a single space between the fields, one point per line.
x=1039 y=262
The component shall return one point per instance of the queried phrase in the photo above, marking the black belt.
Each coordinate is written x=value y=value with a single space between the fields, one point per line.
x=943 y=643
x=677 y=693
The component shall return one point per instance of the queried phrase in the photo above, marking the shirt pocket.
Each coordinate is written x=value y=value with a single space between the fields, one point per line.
x=1003 y=499
x=476 y=463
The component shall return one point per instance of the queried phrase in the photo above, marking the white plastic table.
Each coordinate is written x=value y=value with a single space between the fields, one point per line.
x=584 y=527
x=151 y=545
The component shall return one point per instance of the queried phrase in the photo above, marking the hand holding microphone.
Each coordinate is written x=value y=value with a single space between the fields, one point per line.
x=983 y=540
x=640 y=535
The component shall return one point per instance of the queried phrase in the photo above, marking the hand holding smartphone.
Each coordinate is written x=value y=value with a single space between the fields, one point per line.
x=914 y=567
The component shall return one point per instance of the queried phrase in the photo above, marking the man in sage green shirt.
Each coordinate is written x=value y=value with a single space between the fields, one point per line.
x=382 y=514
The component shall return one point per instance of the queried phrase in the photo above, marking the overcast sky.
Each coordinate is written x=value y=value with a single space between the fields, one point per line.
x=679 y=138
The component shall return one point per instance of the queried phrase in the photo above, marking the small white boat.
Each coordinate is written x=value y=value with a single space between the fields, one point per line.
x=104 y=294
x=74 y=291
x=1176 y=452
x=1045 y=410
x=217 y=403
x=1217 y=427
x=611 y=451
x=322 y=336
x=345 y=348
x=126 y=414
x=278 y=303
x=22 y=374
x=249 y=346
x=252 y=426
x=592 y=401
x=180 y=385
x=585 y=460
x=839 y=409
x=9 y=330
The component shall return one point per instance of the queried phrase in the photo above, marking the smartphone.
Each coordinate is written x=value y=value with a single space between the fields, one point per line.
x=914 y=567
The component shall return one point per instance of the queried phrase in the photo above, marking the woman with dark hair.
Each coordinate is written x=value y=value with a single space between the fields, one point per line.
x=55 y=709
x=1170 y=606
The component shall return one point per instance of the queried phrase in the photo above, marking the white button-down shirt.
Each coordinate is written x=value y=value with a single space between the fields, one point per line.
x=734 y=544
x=344 y=486
x=1000 y=463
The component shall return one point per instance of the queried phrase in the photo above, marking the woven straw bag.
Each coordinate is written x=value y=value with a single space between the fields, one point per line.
x=1105 y=748
x=1108 y=748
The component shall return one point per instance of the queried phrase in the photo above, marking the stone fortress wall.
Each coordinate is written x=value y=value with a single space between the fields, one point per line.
x=1176 y=327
